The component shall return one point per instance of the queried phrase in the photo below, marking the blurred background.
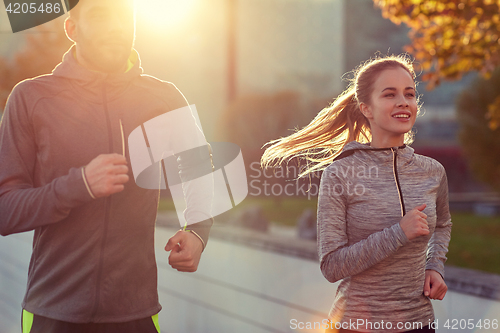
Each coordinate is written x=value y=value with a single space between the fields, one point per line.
x=257 y=70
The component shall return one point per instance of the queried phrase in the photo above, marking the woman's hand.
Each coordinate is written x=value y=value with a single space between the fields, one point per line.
x=434 y=286
x=414 y=223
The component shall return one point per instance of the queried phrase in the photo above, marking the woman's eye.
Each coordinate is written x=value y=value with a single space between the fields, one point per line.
x=389 y=95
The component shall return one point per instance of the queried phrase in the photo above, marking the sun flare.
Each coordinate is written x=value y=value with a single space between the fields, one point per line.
x=164 y=13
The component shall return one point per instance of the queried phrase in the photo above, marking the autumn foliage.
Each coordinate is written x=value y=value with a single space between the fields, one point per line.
x=481 y=145
x=43 y=50
x=450 y=38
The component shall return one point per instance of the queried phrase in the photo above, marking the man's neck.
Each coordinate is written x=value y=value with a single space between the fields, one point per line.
x=82 y=62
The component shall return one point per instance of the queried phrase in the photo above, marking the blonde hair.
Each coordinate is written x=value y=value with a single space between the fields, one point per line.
x=342 y=122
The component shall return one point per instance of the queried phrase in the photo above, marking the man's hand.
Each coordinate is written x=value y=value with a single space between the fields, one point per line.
x=414 y=223
x=434 y=286
x=106 y=174
x=186 y=251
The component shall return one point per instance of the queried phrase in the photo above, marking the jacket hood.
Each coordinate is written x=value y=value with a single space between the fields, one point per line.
x=91 y=82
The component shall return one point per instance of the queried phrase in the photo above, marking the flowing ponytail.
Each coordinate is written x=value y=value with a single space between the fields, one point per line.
x=333 y=127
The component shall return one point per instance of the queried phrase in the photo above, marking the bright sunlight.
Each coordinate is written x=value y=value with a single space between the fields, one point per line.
x=164 y=13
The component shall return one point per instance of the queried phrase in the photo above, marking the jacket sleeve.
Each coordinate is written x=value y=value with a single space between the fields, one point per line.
x=338 y=259
x=438 y=243
x=195 y=170
x=198 y=191
x=23 y=206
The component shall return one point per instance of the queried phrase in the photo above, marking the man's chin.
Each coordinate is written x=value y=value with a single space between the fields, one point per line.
x=113 y=63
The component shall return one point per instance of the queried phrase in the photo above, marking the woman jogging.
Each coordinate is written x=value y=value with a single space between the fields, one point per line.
x=383 y=218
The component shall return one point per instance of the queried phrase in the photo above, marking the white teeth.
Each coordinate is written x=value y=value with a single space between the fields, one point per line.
x=401 y=116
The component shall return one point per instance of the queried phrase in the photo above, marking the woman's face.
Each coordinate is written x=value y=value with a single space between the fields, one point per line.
x=392 y=108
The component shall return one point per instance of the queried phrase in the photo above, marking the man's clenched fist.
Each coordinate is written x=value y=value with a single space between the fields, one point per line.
x=106 y=174
x=186 y=251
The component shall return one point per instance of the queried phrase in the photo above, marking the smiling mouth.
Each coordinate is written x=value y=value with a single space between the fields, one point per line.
x=405 y=116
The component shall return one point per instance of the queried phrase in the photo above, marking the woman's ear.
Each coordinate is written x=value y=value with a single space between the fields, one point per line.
x=366 y=110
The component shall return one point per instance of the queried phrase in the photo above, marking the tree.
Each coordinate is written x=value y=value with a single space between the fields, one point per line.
x=364 y=38
x=450 y=38
x=480 y=144
x=42 y=52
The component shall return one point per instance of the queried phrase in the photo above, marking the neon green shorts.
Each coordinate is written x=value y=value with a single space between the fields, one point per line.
x=32 y=323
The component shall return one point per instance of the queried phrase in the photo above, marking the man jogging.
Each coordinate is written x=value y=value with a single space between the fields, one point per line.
x=64 y=173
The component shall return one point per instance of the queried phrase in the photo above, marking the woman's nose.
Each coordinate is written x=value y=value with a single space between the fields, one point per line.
x=403 y=102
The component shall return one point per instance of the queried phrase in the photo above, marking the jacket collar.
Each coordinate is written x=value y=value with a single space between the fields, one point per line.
x=90 y=83
x=404 y=152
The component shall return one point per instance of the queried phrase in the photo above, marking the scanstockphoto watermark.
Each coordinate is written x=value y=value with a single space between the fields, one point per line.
x=267 y=182
x=358 y=324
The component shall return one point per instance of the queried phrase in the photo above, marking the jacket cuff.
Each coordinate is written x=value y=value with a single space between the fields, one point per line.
x=201 y=230
x=199 y=237
x=71 y=190
x=438 y=267
x=401 y=238
x=87 y=186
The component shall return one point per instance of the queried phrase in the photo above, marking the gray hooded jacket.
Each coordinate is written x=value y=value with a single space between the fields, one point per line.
x=363 y=195
x=93 y=259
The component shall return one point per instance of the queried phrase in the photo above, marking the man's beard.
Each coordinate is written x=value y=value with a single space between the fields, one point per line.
x=106 y=60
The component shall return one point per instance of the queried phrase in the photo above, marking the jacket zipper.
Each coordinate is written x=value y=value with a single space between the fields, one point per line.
x=396 y=179
x=123 y=137
x=107 y=204
x=394 y=169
